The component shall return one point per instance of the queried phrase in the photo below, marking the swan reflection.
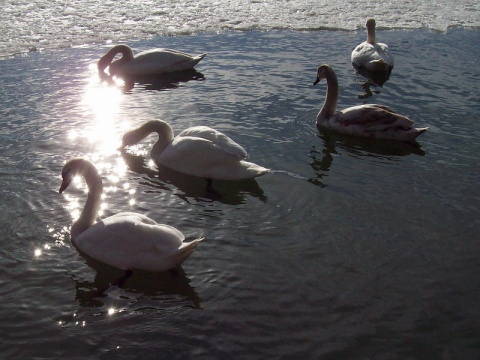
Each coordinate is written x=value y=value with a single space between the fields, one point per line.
x=159 y=82
x=375 y=79
x=162 y=287
x=322 y=160
x=192 y=187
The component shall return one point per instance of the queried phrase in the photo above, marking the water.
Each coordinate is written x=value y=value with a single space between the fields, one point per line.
x=348 y=250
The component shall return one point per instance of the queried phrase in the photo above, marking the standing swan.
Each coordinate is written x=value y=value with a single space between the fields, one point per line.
x=369 y=120
x=371 y=55
x=126 y=240
x=199 y=151
x=150 y=62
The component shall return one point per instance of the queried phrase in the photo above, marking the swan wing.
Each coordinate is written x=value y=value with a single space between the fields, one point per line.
x=159 y=61
x=130 y=240
x=372 y=118
x=201 y=157
x=172 y=52
x=217 y=138
x=196 y=156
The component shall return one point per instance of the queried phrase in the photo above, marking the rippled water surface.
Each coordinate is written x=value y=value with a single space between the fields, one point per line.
x=348 y=249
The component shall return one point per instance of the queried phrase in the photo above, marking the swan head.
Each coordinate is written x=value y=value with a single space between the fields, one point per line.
x=131 y=137
x=71 y=169
x=370 y=23
x=322 y=73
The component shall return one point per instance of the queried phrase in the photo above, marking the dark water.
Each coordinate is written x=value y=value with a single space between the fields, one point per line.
x=349 y=249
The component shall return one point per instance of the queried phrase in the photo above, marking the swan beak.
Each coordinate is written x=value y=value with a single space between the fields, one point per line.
x=316 y=81
x=64 y=185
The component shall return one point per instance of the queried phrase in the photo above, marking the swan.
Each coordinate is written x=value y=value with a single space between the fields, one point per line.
x=369 y=120
x=156 y=61
x=125 y=240
x=199 y=151
x=371 y=55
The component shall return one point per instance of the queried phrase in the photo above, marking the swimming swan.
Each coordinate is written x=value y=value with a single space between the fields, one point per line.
x=156 y=61
x=371 y=55
x=126 y=240
x=198 y=150
x=369 y=120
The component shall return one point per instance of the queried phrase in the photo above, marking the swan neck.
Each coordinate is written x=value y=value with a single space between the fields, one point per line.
x=106 y=60
x=330 y=103
x=164 y=132
x=127 y=52
x=92 y=205
x=371 y=34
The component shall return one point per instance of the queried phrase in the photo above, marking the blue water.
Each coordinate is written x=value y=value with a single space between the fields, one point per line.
x=348 y=249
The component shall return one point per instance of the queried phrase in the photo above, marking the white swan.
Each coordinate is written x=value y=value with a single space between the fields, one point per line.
x=369 y=120
x=150 y=62
x=126 y=240
x=371 y=55
x=199 y=151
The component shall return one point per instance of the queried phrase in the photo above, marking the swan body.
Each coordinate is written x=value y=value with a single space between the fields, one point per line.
x=199 y=151
x=370 y=120
x=370 y=54
x=150 y=62
x=126 y=240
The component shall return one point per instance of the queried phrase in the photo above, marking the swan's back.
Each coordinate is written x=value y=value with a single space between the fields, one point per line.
x=375 y=57
x=134 y=241
x=159 y=61
x=217 y=138
x=203 y=158
x=375 y=121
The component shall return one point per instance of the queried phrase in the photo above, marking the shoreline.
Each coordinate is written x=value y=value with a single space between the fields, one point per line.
x=33 y=49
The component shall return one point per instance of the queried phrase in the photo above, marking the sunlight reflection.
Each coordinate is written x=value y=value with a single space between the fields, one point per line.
x=38 y=252
x=111 y=311
x=103 y=102
x=57 y=235
x=151 y=163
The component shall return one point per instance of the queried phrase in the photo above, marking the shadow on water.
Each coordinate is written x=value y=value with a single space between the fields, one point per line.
x=357 y=146
x=137 y=282
x=159 y=82
x=193 y=187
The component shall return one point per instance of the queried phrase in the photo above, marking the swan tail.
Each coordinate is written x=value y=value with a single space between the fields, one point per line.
x=378 y=65
x=256 y=170
x=184 y=251
x=420 y=131
x=252 y=170
x=197 y=59
x=416 y=132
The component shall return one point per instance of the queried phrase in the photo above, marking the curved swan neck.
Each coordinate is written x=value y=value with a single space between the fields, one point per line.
x=92 y=205
x=106 y=60
x=330 y=103
x=370 y=31
x=164 y=131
